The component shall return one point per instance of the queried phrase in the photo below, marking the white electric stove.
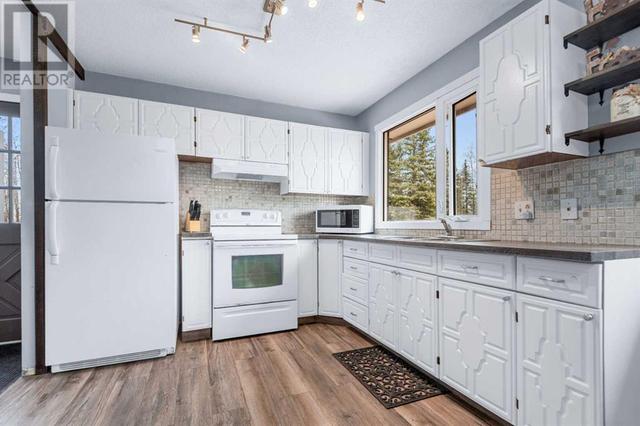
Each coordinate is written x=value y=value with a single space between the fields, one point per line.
x=255 y=270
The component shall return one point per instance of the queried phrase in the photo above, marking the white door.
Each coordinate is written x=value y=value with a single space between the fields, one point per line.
x=307 y=278
x=266 y=140
x=105 y=113
x=382 y=304
x=169 y=121
x=418 y=336
x=559 y=363
x=513 y=91
x=111 y=279
x=219 y=135
x=196 y=284
x=330 y=278
x=308 y=165
x=84 y=165
x=345 y=162
x=476 y=344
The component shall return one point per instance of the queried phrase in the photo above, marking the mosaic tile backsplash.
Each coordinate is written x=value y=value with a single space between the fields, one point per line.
x=607 y=189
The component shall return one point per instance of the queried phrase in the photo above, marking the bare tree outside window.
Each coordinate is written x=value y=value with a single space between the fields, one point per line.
x=10 y=163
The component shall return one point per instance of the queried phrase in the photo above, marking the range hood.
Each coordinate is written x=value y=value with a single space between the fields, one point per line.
x=249 y=170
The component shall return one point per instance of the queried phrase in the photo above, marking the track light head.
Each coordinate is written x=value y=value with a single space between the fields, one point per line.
x=313 y=3
x=245 y=44
x=195 y=34
x=360 y=11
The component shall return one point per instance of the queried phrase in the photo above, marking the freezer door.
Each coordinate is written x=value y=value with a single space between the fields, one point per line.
x=111 y=280
x=91 y=166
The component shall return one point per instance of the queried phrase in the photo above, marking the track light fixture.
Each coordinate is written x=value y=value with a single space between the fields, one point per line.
x=360 y=11
x=195 y=33
x=313 y=3
x=245 y=44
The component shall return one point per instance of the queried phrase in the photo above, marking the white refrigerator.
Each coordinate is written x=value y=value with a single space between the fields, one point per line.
x=111 y=248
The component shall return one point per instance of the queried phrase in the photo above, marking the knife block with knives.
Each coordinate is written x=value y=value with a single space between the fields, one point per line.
x=192 y=222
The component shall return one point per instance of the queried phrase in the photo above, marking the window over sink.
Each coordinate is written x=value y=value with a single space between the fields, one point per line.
x=427 y=165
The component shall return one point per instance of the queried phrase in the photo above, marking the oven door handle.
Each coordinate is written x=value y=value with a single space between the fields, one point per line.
x=235 y=245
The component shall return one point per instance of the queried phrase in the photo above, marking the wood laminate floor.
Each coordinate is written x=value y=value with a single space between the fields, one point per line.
x=286 y=378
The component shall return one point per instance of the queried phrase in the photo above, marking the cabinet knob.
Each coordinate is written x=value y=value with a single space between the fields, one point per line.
x=587 y=317
x=506 y=298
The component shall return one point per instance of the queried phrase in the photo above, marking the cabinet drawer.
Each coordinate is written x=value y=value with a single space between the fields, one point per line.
x=355 y=268
x=383 y=253
x=417 y=259
x=571 y=282
x=490 y=269
x=355 y=249
x=355 y=314
x=356 y=289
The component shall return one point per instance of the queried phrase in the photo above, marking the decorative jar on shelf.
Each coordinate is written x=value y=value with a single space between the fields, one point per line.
x=625 y=102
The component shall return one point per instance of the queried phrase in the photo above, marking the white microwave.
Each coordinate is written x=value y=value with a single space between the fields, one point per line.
x=345 y=220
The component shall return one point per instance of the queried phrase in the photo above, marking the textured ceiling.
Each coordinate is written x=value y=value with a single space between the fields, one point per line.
x=321 y=58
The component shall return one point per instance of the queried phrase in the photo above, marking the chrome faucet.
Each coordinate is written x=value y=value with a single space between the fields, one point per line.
x=447 y=227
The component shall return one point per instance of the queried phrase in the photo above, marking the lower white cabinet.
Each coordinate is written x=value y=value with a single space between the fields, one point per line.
x=329 y=279
x=196 y=283
x=477 y=344
x=307 y=278
x=559 y=365
x=417 y=330
x=382 y=304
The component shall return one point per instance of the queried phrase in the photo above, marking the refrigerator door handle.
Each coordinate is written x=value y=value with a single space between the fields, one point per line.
x=54 y=153
x=52 y=230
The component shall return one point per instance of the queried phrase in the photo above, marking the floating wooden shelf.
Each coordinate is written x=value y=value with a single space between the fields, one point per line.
x=598 y=32
x=601 y=132
x=599 y=82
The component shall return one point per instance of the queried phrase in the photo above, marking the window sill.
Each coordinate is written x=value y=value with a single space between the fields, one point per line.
x=472 y=225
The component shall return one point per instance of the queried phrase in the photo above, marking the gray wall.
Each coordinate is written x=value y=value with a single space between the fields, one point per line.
x=122 y=86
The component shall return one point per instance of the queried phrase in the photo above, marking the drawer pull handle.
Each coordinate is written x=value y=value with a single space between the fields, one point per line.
x=471 y=267
x=552 y=280
x=506 y=298
x=353 y=249
x=353 y=289
x=355 y=268
x=353 y=315
x=587 y=317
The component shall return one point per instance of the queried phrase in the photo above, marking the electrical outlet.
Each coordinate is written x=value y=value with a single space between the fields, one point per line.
x=569 y=209
x=524 y=210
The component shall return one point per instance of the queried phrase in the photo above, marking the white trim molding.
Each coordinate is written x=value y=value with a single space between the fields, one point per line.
x=9 y=97
x=443 y=100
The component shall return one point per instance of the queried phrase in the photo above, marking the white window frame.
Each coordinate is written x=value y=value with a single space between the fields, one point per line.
x=443 y=100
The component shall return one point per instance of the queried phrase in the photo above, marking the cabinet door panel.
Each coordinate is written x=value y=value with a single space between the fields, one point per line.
x=345 y=162
x=105 y=113
x=307 y=278
x=219 y=135
x=169 y=121
x=196 y=284
x=559 y=374
x=308 y=165
x=382 y=304
x=476 y=344
x=330 y=279
x=512 y=112
x=417 y=336
x=266 y=140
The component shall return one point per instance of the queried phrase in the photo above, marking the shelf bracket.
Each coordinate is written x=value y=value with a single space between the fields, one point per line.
x=566 y=92
x=566 y=44
x=601 y=93
x=567 y=141
x=601 y=151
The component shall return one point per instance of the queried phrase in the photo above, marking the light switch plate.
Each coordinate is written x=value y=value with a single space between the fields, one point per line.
x=524 y=210
x=569 y=209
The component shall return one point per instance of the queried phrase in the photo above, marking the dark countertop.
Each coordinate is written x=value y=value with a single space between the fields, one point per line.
x=559 y=251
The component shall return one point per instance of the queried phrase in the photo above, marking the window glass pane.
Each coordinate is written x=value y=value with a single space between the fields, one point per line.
x=4 y=206
x=4 y=169
x=16 y=170
x=411 y=176
x=16 y=208
x=4 y=132
x=256 y=271
x=15 y=134
x=465 y=196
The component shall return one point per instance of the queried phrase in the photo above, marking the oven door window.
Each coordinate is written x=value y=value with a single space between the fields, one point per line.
x=256 y=271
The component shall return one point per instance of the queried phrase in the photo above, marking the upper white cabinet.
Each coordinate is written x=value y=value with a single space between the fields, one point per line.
x=559 y=364
x=307 y=278
x=169 y=121
x=265 y=140
x=346 y=162
x=219 y=135
x=105 y=113
x=523 y=113
x=308 y=161
x=476 y=343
